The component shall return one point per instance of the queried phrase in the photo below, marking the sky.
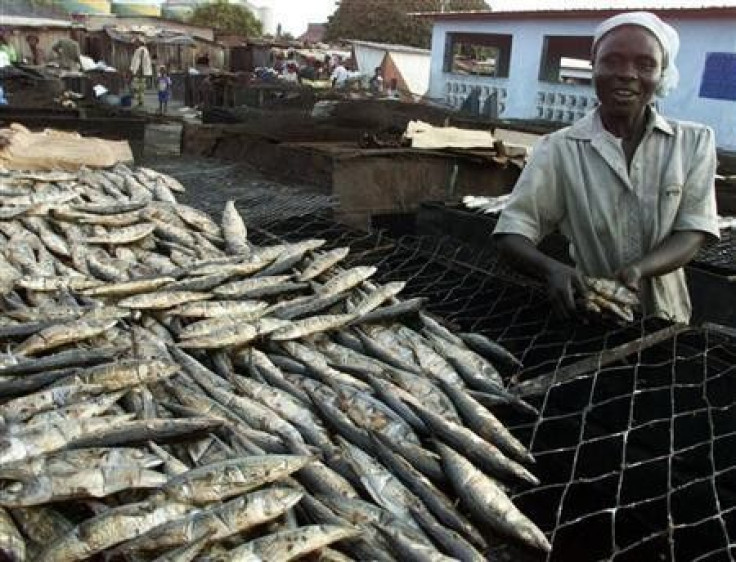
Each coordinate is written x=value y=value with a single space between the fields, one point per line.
x=294 y=15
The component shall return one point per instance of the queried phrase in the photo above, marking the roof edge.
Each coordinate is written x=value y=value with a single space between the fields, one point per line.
x=389 y=46
x=692 y=12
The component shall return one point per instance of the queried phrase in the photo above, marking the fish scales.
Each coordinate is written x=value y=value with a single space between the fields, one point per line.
x=110 y=269
x=221 y=521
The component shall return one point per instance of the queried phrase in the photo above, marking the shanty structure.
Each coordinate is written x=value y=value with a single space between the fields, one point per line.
x=20 y=32
x=145 y=24
x=531 y=64
x=409 y=66
x=177 y=50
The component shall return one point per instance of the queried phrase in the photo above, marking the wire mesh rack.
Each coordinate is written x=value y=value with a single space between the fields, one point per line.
x=636 y=452
x=636 y=455
x=721 y=256
x=211 y=182
x=718 y=257
x=470 y=288
x=638 y=458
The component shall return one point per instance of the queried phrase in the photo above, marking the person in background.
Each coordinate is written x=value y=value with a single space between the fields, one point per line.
x=339 y=75
x=279 y=66
x=376 y=82
x=291 y=73
x=67 y=52
x=141 y=69
x=8 y=54
x=632 y=191
x=309 y=71
x=393 y=88
x=163 y=86
x=203 y=60
x=206 y=92
x=36 y=57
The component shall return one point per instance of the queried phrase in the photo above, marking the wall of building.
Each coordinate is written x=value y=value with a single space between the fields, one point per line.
x=47 y=37
x=523 y=96
x=178 y=58
x=412 y=68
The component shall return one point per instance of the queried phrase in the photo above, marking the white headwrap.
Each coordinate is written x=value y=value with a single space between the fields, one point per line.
x=665 y=34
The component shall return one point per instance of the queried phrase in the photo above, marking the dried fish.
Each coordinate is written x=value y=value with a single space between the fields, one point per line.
x=316 y=385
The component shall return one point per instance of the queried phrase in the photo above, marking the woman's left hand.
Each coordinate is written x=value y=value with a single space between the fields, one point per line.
x=630 y=276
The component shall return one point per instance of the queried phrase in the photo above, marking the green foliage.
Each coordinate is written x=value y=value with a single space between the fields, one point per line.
x=388 y=21
x=230 y=18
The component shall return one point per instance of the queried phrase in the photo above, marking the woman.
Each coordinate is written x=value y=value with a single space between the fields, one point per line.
x=141 y=68
x=632 y=191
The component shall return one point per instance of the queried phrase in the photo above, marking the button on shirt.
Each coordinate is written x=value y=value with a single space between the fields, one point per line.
x=576 y=180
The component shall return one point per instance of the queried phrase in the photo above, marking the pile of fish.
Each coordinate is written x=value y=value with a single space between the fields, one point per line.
x=726 y=223
x=487 y=204
x=611 y=297
x=170 y=391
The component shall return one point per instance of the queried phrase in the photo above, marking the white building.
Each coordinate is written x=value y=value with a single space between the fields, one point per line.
x=533 y=64
x=408 y=65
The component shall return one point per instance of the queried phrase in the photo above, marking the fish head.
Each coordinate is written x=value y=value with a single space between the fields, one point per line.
x=27 y=491
x=12 y=449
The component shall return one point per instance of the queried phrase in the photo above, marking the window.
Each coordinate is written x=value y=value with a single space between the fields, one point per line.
x=566 y=60
x=719 y=77
x=479 y=54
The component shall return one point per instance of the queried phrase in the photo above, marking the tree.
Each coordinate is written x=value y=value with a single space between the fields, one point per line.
x=230 y=18
x=389 y=22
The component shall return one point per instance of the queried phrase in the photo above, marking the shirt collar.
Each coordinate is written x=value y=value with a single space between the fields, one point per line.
x=591 y=125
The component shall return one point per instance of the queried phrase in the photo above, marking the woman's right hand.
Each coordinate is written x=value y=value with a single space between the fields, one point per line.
x=564 y=286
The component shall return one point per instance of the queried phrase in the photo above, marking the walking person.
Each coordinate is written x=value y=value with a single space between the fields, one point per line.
x=163 y=85
x=376 y=82
x=141 y=69
x=632 y=190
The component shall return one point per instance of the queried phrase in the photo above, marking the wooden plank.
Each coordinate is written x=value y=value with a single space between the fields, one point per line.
x=542 y=383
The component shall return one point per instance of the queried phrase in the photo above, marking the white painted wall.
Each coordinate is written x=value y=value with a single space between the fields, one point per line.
x=414 y=66
x=367 y=58
x=522 y=88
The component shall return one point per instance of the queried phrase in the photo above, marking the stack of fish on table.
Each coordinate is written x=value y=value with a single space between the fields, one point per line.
x=170 y=391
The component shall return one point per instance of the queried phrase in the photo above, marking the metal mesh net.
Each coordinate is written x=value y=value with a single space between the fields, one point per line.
x=635 y=456
x=639 y=456
x=720 y=257
x=211 y=182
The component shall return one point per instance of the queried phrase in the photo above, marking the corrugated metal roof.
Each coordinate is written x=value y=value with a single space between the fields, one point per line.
x=536 y=5
x=27 y=21
x=391 y=47
x=586 y=8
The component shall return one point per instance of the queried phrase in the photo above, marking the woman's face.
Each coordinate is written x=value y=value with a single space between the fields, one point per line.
x=627 y=68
